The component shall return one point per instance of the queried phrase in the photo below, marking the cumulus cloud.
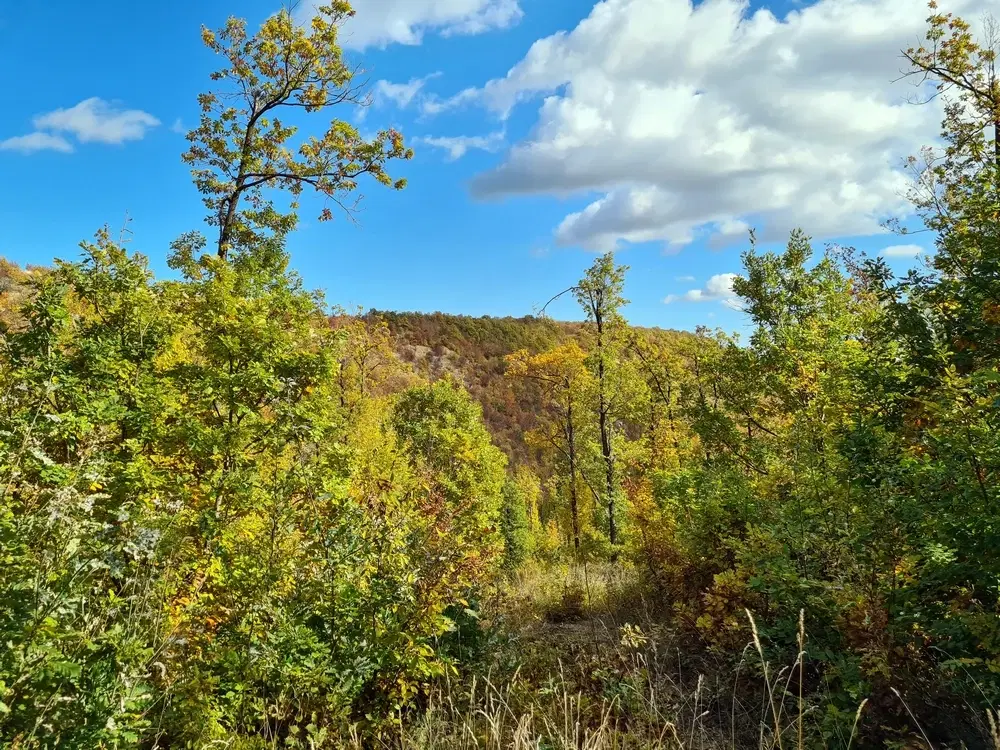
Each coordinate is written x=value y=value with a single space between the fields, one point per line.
x=688 y=120
x=684 y=278
x=901 y=251
x=459 y=146
x=379 y=23
x=29 y=144
x=95 y=120
x=717 y=288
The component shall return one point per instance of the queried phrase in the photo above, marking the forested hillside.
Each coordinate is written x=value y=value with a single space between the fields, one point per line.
x=471 y=350
x=474 y=351
x=233 y=516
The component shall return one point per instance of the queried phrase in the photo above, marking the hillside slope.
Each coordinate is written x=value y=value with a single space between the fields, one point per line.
x=473 y=349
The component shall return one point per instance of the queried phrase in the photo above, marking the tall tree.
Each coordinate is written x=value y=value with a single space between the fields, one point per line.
x=563 y=374
x=367 y=360
x=600 y=295
x=957 y=191
x=964 y=71
x=664 y=370
x=242 y=147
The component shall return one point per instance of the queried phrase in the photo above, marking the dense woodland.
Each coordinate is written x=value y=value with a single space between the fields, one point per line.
x=233 y=516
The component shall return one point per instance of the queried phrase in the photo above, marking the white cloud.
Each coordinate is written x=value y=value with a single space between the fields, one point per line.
x=178 y=127
x=684 y=278
x=29 y=144
x=95 y=120
x=901 y=251
x=402 y=94
x=378 y=23
x=434 y=105
x=459 y=146
x=690 y=120
x=717 y=288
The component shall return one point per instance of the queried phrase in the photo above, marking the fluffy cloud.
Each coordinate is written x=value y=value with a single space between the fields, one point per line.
x=701 y=120
x=378 y=23
x=717 y=288
x=92 y=120
x=95 y=120
x=458 y=146
x=901 y=251
x=29 y=144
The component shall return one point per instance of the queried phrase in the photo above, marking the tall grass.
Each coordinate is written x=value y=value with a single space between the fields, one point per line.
x=599 y=675
x=650 y=714
x=590 y=682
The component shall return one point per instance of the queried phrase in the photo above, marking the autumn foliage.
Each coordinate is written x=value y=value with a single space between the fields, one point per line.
x=231 y=516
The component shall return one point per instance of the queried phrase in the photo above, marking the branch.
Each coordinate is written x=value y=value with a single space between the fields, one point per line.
x=961 y=81
x=259 y=178
x=541 y=312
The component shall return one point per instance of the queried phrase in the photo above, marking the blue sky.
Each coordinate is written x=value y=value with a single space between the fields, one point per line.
x=545 y=131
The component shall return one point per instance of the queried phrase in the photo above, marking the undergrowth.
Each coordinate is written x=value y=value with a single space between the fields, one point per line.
x=579 y=658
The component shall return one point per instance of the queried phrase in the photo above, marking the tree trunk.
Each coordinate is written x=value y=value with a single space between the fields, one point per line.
x=226 y=224
x=602 y=415
x=573 y=504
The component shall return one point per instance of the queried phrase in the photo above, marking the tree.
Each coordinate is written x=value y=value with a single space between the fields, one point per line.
x=957 y=190
x=80 y=590
x=600 y=295
x=957 y=64
x=563 y=374
x=368 y=363
x=665 y=370
x=519 y=520
x=450 y=449
x=242 y=147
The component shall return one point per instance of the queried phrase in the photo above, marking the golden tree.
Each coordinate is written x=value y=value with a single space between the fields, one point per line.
x=242 y=146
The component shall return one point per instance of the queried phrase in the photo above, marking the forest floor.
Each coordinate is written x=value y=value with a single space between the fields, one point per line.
x=579 y=662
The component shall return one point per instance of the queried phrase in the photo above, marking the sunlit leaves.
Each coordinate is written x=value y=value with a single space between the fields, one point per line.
x=241 y=150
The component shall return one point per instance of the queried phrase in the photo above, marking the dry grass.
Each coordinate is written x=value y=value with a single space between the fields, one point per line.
x=595 y=671
x=598 y=674
x=496 y=717
x=651 y=711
